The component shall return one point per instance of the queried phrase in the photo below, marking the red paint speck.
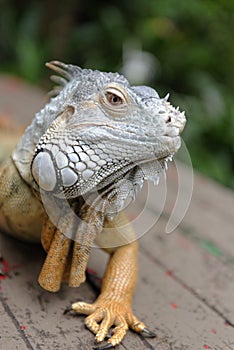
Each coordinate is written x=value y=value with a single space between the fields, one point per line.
x=174 y=305
x=6 y=265
x=22 y=328
x=91 y=271
x=214 y=331
x=169 y=273
x=206 y=347
x=4 y=269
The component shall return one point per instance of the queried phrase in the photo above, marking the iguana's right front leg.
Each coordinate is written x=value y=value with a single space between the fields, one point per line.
x=113 y=306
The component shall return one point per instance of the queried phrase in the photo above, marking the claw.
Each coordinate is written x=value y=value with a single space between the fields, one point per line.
x=68 y=309
x=109 y=335
x=149 y=333
x=104 y=347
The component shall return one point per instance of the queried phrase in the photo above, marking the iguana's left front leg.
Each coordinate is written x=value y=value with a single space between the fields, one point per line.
x=113 y=306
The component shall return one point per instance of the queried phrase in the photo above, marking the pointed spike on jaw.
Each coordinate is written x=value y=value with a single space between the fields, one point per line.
x=170 y=158
x=166 y=97
x=155 y=179
x=138 y=186
x=132 y=195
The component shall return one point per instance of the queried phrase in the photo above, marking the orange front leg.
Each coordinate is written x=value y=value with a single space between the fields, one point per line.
x=113 y=306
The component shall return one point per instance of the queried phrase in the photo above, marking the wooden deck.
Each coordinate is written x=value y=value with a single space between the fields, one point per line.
x=185 y=291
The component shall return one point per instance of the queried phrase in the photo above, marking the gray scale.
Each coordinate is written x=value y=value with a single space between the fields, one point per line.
x=69 y=177
x=73 y=157
x=80 y=166
x=61 y=160
x=84 y=157
x=69 y=149
x=55 y=150
x=77 y=149
x=86 y=174
x=95 y=158
x=91 y=165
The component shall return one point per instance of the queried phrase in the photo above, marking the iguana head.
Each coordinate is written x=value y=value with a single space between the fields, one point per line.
x=99 y=130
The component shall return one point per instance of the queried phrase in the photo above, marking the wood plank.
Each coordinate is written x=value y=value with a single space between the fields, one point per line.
x=196 y=268
x=181 y=320
x=193 y=263
x=10 y=338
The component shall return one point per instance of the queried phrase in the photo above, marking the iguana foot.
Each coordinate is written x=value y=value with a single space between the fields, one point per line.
x=104 y=314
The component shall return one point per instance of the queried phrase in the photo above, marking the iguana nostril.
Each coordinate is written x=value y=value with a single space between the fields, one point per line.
x=168 y=120
x=43 y=171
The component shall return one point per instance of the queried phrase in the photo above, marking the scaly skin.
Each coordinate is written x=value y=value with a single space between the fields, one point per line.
x=67 y=180
x=20 y=210
x=113 y=306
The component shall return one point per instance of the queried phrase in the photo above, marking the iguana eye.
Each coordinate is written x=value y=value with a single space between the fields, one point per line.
x=114 y=99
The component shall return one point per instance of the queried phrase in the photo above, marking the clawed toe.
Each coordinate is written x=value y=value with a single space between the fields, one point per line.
x=109 y=319
x=149 y=333
x=145 y=331
x=67 y=310
x=109 y=335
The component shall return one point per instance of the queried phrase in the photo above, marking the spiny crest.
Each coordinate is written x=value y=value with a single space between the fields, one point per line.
x=66 y=73
x=69 y=72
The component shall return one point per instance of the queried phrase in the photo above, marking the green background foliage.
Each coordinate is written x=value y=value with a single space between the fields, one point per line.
x=192 y=42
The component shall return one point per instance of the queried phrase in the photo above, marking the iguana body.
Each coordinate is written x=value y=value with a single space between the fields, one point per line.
x=67 y=180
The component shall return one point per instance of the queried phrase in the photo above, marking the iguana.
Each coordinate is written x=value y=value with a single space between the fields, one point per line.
x=66 y=182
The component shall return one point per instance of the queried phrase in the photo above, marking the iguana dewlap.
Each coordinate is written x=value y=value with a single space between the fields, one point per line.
x=89 y=149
